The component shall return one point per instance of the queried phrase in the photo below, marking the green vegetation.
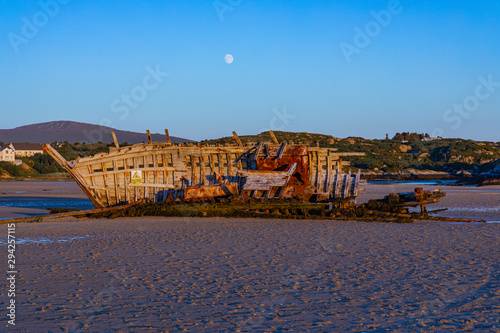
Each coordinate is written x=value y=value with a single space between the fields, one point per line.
x=42 y=165
x=391 y=156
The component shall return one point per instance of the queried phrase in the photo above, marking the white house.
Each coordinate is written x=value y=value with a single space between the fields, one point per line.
x=26 y=149
x=7 y=154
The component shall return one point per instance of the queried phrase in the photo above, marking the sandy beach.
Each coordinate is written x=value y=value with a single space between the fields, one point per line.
x=247 y=275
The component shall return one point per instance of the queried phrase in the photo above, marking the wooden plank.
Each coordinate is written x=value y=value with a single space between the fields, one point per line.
x=115 y=140
x=194 y=171
x=311 y=167
x=116 y=185
x=238 y=165
x=356 y=184
x=282 y=150
x=155 y=174
x=136 y=190
x=339 y=177
x=265 y=180
x=212 y=167
x=329 y=175
x=229 y=166
x=290 y=173
x=149 y=136
x=68 y=214
x=273 y=137
x=268 y=152
x=165 y=171
x=347 y=186
x=202 y=168
x=348 y=154
x=167 y=136
x=145 y=163
x=153 y=185
x=101 y=173
x=126 y=181
x=219 y=159
x=263 y=173
x=75 y=174
x=92 y=180
x=238 y=141
x=105 y=179
x=145 y=148
x=259 y=150
x=318 y=173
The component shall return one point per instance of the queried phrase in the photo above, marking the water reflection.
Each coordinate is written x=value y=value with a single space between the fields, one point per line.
x=45 y=240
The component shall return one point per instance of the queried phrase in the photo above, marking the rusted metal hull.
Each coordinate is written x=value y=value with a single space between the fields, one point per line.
x=159 y=171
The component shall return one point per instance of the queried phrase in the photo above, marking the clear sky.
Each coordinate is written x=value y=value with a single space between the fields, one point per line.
x=345 y=68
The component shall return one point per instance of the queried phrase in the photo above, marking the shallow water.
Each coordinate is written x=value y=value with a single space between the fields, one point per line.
x=44 y=202
x=423 y=182
x=44 y=240
x=471 y=209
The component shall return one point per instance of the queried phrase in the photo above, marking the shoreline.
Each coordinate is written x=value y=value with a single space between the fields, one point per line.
x=31 y=198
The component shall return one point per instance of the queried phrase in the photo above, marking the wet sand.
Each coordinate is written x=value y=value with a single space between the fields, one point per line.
x=33 y=196
x=211 y=275
x=474 y=203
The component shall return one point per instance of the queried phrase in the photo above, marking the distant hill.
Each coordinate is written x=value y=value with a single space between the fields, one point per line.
x=75 y=132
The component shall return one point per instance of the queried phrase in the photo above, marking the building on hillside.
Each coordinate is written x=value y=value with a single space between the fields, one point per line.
x=7 y=154
x=26 y=149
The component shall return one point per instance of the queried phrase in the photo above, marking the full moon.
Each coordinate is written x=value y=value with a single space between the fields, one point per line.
x=228 y=59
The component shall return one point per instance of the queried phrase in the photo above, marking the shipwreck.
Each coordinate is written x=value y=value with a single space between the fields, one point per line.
x=164 y=171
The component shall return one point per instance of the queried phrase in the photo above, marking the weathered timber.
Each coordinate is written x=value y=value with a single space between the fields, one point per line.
x=167 y=136
x=273 y=137
x=71 y=214
x=238 y=141
x=115 y=140
x=159 y=170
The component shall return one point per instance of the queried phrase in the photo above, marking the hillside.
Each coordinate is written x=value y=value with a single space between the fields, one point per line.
x=73 y=132
x=384 y=158
x=450 y=156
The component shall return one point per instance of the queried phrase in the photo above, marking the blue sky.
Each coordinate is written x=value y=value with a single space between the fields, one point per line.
x=343 y=68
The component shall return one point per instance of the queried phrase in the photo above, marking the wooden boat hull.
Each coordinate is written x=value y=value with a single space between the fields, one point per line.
x=159 y=171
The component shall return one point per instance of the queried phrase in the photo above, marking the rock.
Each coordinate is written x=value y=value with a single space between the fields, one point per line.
x=405 y=148
x=422 y=156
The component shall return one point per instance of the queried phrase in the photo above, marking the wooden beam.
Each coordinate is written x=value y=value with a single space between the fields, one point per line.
x=290 y=173
x=68 y=214
x=282 y=150
x=167 y=135
x=268 y=152
x=115 y=140
x=238 y=141
x=273 y=137
x=76 y=175
x=259 y=149
x=149 y=136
